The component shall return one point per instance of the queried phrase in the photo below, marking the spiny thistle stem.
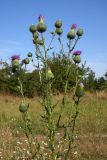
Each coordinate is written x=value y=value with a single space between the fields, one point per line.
x=21 y=89
x=66 y=82
x=74 y=44
x=48 y=106
x=75 y=104
x=38 y=66
x=28 y=128
x=49 y=47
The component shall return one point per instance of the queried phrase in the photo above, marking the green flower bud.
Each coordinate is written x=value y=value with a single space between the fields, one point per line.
x=80 y=32
x=29 y=54
x=41 y=42
x=49 y=74
x=35 y=35
x=26 y=61
x=71 y=34
x=80 y=91
x=32 y=28
x=15 y=63
x=53 y=33
x=41 y=27
x=58 y=24
x=38 y=41
x=77 y=58
x=23 y=107
x=59 y=31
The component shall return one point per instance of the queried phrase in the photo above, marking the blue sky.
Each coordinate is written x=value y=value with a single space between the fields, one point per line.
x=17 y=15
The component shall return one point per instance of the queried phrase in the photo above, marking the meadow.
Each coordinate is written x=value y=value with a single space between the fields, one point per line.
x=91 y=127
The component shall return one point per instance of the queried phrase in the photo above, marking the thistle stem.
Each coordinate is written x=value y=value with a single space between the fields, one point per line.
x=48 y=107
x=75 y=104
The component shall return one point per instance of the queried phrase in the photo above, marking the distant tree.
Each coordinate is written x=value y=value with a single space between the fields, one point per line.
x=90 y=81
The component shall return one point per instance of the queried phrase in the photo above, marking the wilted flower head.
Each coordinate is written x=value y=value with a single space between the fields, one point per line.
x=15 y=57
x=74 y=26
x=41 y=18
x=76 y=52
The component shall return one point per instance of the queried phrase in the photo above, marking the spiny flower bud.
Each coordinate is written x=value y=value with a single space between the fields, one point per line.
x=41 y=27
x=71 y=34
x=32 y=28
x=77 y=59
x=23 y=107
x=80 y=91
x=76 y=56
x=29 y=54
x=38 y=41
x=49 y=74
x=59 y=31
x=80 y=32
x=35 y=35
x=58 y=23
x=15 y=63
x=26 y=61
x=52 y=32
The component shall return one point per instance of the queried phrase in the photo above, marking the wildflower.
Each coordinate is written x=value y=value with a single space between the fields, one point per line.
x=41 y=18
x=76 y=56
x=76 y=52
x=15 y=63
x=74 y=26
x=41 y=27
x=80 y=90
x=81 y=85
x=71 y=33
x=15 y=57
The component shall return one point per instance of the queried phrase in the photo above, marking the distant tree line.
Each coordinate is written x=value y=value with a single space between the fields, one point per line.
x=32 y=85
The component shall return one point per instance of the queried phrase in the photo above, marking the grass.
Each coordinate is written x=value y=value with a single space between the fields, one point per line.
x=91 y=127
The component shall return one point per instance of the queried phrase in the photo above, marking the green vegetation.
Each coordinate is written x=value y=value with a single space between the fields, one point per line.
x=45 y=130
x=91 y=127
x=57 y=63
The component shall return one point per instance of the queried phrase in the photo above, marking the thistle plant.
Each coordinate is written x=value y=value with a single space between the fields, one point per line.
x=54 y=125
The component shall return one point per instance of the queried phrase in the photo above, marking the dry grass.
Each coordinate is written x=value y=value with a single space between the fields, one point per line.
x=91 y=129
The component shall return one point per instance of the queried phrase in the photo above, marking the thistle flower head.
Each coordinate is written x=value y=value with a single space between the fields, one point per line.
x=76 y=53
x=41 y=18
x=81 y=85
x=15 y=57
x=74 y=26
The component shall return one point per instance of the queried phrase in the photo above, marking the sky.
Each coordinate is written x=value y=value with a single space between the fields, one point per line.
x=91 y=15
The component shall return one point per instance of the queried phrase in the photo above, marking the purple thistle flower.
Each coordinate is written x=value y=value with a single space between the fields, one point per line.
x=76 y=52
x=81 y=85
x=40 y=18
x=74 y=26
x=15 y=57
